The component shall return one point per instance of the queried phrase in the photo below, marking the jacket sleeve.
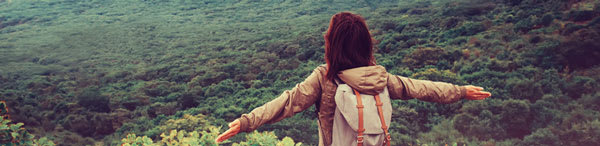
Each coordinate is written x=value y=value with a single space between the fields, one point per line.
x=406 y=88
x=290 y=102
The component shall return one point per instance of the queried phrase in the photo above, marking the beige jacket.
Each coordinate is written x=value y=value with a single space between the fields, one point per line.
x=316 y=89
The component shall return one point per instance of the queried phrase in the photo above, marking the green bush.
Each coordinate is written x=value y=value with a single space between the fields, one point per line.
x=466 y=29
x=513 y=2
x=580 y=85
x=186 y=123
x=266 y=138
x=546 y=20
x=174 y=138
x=584 y=133
x=469 y=8
x=579 y=50
x=154 y=61
x=205 y=138
x=582 y=15
x=187 y=100
x=540 y=137
x=525 y=89
x=570 y=28
x=524 y=25
x=442 y=133
x=437 y=75
x=14 y=134
x=92 y=98
x=159 y=88
x=423 y=56
x=515 y=118
x=496 y=119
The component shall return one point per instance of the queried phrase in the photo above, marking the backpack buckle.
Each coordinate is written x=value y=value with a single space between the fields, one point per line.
x=359 y=139
x=388 y=137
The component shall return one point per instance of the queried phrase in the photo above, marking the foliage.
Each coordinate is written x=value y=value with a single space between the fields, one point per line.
x=205 y=138
x=467 y=29
x=94 y=100
x=187 y=123
x=174 y=138
x=443 y=133
x=12 y=134
x=541 y=137
x=437 y=75
x=91 y=72
x=423 y=56
x=480 y=120
x=266 y=138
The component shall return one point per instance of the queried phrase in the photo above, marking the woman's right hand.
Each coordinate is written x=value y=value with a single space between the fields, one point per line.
x=476 y=93
x=234 y=128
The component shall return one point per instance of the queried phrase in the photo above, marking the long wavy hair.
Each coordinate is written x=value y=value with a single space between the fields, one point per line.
x=348 y=44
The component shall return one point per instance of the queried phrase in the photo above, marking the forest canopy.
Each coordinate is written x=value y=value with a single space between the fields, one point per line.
x=99 y=72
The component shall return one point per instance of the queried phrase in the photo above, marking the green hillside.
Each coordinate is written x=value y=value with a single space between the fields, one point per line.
x=90 y=72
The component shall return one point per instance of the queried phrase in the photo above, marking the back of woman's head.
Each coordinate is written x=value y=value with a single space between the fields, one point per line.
x=348 y=44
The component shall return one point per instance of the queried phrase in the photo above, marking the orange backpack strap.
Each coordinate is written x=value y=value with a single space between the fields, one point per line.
x=361 y=128
x=383 y=126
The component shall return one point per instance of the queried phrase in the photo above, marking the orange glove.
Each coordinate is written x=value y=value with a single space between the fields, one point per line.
x=234 y=128
x=476 y=93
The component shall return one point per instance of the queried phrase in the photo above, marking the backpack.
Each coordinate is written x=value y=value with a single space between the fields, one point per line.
x=358 y=118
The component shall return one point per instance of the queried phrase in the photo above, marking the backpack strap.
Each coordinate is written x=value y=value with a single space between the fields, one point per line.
x=383 y=126
x=361 y=128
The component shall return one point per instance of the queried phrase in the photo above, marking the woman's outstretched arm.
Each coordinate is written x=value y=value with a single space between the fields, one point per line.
x=407 y=88
x=286 y=105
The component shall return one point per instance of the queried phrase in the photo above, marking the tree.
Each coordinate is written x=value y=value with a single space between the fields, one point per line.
x=92 y=99
x=423 y=56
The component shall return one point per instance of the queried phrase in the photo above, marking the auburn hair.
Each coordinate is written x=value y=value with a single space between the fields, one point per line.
x=348 y=44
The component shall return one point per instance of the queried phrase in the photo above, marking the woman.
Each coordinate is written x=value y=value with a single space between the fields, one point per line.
x=349 y=57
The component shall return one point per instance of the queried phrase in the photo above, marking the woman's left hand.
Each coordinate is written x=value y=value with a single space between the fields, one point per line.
x=476 y=93
x=234 y=128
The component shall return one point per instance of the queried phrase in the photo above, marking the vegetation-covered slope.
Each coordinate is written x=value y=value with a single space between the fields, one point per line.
x=93 y=71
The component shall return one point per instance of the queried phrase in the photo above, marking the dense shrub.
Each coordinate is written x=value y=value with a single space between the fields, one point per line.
x=481 y=120
x=542 y=136
x=205 y=138
x=513 y=2
x=591 y=100
x=187 y=123
x=392 y=26
x=546 y=20
x=580 y=50
x=525 y=89
x=152 y=62
x=466 y=29
x=443 y=133
x=472 y=8
x=174 y=137
x=159 y=88
x=579 y=86
x=570 y=28
x=187 y=100
x=584 y=133
x=451 y=22
x=524 y=25
x=423 y=56
x=437 y=75
x=94 y=125
x=13 y=134
x=582 y=15
x=92 y=99
x=516 y=118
